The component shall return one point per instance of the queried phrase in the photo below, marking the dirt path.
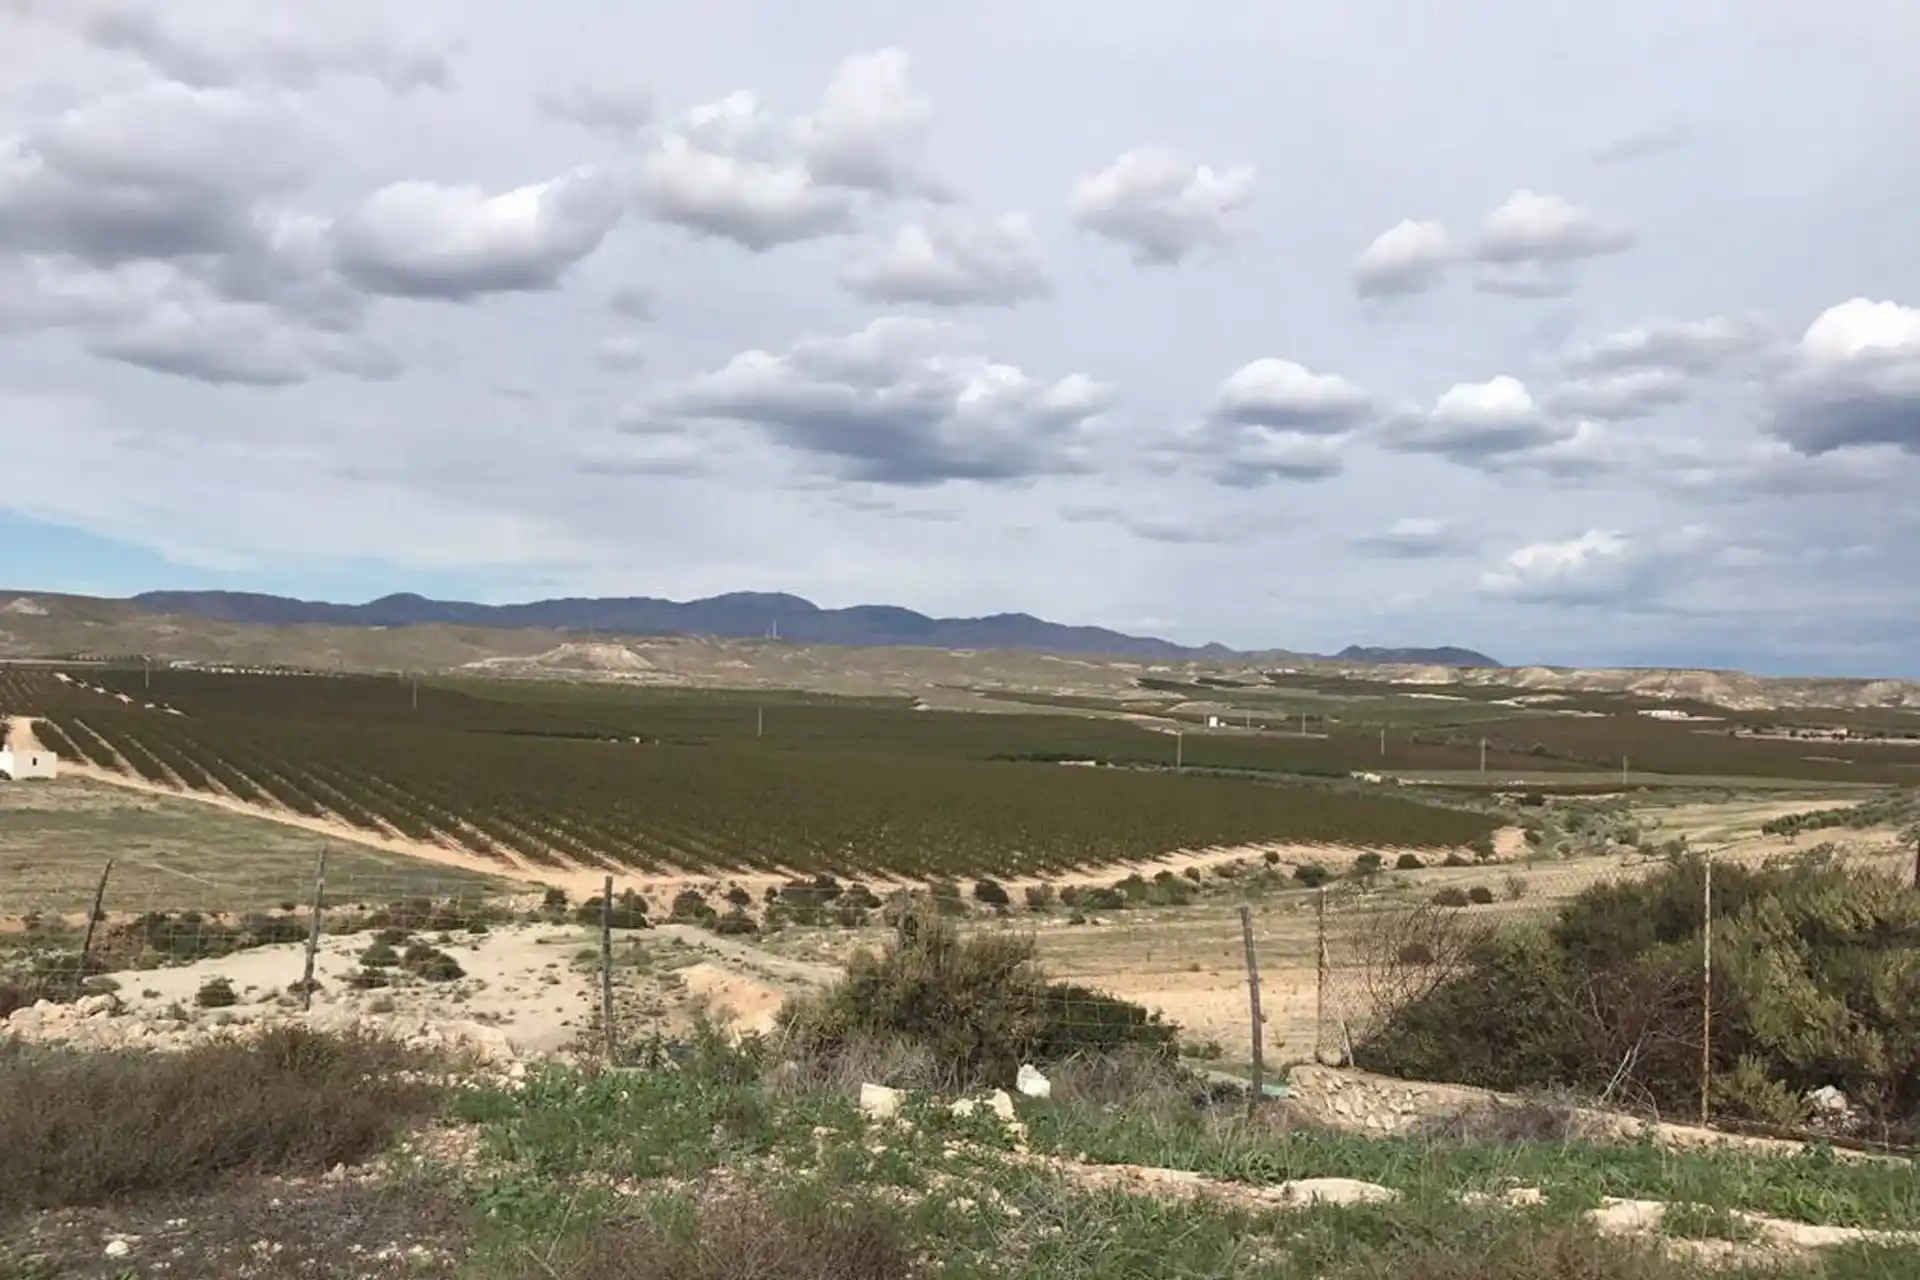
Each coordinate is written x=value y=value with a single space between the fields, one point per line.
x=20 y=735
x=746 y=955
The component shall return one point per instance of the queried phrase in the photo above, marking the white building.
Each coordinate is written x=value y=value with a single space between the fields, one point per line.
x=19 y=766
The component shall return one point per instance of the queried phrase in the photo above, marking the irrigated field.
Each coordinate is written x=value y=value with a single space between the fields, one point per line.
x=670 y=782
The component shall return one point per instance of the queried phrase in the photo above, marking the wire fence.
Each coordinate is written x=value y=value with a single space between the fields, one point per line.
x=1382 y=965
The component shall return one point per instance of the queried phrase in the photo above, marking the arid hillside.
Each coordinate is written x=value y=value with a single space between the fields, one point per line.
x=38 y=625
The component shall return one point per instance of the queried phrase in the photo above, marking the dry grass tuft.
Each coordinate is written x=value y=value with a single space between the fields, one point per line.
x=740 y=1236
x=84 y=1129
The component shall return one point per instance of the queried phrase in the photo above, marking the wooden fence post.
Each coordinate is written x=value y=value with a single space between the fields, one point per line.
x=606 y=965
x=1255 y=1094
x=93 y=918
x=1320 y=971
x=313 y=930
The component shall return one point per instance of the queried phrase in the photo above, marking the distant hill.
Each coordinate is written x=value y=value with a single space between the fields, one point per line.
x=1444 y=656
x=736 y=615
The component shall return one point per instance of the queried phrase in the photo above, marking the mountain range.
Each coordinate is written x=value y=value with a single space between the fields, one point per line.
x=734 y=615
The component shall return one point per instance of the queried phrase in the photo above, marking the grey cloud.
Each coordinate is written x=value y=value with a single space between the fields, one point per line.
x=954 y=258
x=1644 y=144
x=619 y=110
x=1474 y=423
x=633 y=302
x=732 y=170
x=1853 y=379
x=1613 y=569
x=1690 y=346
x=1523 y=250
x=213 y=54
x=754 y=203
x=1545 y=230
x=1179 y=530
x=1523 y=280
x=1409 y=257
x=1413 y=538
x=156 y=316
x=424 y=240
x=1284 y=396
x=900 y=402
x=869 y=129
x=1161 y=205
x=159 y=172
x=622 y=353
x=1633 y=394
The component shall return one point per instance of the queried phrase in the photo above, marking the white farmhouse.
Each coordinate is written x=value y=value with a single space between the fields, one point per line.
x=21 y=765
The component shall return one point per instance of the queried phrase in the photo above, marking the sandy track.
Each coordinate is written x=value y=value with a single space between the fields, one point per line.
x=20 y=734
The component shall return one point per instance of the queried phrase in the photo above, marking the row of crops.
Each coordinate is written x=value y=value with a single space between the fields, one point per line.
x=677 y=798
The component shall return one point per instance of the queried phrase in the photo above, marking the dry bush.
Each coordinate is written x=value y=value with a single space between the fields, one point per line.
x=739 y=1236
x=1542 y=1118
x=84 y=1129
x=1408 y=953
x=1516 y=1250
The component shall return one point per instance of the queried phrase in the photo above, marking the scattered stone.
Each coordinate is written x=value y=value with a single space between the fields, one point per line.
x=1031 y=1083
x=878 y=1102
x=1830 y=1101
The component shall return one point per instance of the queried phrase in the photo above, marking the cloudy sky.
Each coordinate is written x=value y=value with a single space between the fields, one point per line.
x=1576 y=333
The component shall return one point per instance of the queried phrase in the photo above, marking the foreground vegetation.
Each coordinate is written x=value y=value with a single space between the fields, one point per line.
x=722 y=1162
x=1815 y=985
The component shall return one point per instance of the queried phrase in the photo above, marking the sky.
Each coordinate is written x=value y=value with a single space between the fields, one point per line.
x=1574 y=333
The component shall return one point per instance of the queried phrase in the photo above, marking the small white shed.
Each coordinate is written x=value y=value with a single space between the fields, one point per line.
x=21 y=765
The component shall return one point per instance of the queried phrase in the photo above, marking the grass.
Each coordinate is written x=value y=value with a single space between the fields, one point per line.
x=711 y=1165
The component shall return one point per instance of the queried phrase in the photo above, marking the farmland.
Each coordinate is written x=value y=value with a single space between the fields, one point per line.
x=672 y=782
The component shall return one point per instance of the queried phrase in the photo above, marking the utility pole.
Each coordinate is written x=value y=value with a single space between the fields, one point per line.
x=1483 y=755
x=1179 y=749
x=1303 y=724
x=1383 y=744
x=416 y=693
x=1623 y=771
x=759 y=722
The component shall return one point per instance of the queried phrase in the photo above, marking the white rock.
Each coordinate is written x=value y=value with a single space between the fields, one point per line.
x=1335 y=1191
x=118 y=1248
x=1830 y=1100
x=879 y=1102
x=1032 y=1083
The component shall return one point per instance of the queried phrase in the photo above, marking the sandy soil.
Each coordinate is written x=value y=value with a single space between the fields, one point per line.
x=20 y=734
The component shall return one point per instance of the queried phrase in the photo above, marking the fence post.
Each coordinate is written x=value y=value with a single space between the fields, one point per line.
x=1253 y=1004
x=1320 y=972
x=1706 y=992
x=313 y=930
x=93 y=918
x=606 y=965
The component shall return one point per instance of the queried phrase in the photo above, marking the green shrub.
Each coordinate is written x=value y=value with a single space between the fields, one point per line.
x=1040 y=897
x=739 y=897
x=1312 y=875
x=1451 y=896
x=1368 y=864
x=978 y=1005
x=735 y=923
x=378 y=955
x=1455 y=860
x=690 y=906
x=216 y=993
x=1408 y=862
x=1816 y=981
x=1480 y=895
x=991 y=893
